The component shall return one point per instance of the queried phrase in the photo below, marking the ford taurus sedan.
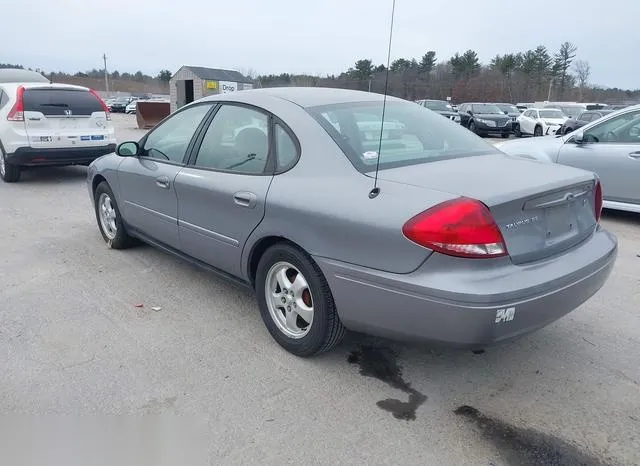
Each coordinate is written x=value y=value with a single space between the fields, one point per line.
x=428 y=234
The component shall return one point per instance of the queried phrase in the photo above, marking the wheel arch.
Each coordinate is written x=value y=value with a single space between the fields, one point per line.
x=259 y=248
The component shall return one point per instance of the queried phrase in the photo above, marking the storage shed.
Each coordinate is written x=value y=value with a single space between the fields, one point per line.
x=191 y=83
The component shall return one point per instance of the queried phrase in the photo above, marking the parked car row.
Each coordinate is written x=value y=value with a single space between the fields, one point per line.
x=525 y=119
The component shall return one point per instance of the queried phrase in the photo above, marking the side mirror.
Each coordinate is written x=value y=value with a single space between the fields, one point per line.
x=578 y=137
x=128 y=149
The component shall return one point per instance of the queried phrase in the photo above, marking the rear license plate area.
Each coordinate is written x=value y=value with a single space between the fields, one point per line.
x=560 y=222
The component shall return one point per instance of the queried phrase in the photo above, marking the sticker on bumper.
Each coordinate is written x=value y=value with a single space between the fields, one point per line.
x=505 y=315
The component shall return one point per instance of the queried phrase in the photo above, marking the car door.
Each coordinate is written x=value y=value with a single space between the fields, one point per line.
x=223 y=190
x=149 y=202
x=611 y=148
x=527 y=122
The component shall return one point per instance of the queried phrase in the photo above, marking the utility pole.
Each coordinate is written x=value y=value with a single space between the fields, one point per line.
x=106 y=75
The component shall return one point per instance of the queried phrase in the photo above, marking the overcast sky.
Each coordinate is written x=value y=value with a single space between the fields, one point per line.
x=312 y=36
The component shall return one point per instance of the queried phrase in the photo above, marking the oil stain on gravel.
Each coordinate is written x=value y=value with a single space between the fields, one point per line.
x=525 y=447
x=381 y=363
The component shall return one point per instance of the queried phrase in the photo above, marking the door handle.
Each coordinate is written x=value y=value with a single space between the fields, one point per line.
x=163 y=182
x=635 y=155
x=245 y=199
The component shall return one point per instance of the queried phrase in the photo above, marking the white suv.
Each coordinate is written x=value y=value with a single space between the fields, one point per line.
x=44 y=124
x=539 y=122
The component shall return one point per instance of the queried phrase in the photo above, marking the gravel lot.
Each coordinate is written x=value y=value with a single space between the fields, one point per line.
x=72 y=342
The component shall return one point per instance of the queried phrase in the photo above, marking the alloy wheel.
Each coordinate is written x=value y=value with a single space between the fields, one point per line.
x=289 y=300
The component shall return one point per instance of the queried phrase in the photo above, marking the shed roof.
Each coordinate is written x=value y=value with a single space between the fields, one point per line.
x=215 y=74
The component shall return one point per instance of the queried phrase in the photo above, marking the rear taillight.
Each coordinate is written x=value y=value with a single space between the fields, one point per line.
x=17 y=111
x=461 y=227
x=102 y=102
x=598 y=201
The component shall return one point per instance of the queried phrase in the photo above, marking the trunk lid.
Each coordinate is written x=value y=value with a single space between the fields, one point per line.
x=58 y=117
x=541 y=209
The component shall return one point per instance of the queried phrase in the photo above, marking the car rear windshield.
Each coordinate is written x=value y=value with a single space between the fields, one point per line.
x=61 y=102
x=411 y=134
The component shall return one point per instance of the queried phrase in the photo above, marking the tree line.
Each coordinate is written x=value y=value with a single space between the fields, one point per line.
x=529 y=76
x=162 y=77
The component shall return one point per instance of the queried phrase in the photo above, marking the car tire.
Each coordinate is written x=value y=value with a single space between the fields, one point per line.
x=537 y=131
x=505 y=135
x=109 y=219
x=9 y=172
x=472 y=127
x=516 y=131
x=280 y=302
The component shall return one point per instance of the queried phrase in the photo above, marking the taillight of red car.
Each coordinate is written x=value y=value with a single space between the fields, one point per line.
x=460 y=227
x=17 y=111
x=598 y=200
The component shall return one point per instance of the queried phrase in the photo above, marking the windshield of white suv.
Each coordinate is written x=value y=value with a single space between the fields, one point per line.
x=550 y=113
x=411 y=135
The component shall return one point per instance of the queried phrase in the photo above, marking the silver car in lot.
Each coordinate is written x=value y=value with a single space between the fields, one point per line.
x=608 y=146
x=276 y=189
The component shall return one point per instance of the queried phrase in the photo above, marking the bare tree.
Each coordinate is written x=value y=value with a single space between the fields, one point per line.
x=583 y=72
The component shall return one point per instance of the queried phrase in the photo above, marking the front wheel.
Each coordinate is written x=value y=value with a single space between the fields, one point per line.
x=109 y=218
x=537 y=131
x=8 y=172
x=517 y=132
x=296 y=303
x=472 y=127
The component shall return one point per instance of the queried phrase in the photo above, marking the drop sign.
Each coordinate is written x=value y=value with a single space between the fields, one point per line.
x=228 y=86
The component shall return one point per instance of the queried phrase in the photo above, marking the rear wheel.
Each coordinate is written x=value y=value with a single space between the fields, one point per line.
x=9 y=172
x=109 y=218
x=537 y=131
x=296 y=303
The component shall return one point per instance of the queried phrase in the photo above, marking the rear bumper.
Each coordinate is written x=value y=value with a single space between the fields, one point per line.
x=469 y=303
x=31 y=157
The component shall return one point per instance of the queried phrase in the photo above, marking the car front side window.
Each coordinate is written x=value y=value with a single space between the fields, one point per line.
x=170 y=140
x=620 y=129
x=237 y=140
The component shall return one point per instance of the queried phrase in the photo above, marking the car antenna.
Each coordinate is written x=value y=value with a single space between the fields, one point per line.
x=376 y=190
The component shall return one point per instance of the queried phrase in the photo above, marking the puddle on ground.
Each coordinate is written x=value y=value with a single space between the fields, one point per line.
x=381 y=363
x=525 y=447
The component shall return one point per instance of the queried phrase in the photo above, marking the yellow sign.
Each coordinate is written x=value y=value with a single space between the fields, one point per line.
x=212 y=84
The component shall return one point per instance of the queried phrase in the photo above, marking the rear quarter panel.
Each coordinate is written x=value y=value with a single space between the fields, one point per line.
x=322 y=205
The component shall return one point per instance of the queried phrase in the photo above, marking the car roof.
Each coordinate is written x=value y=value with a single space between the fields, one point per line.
x=309 y=96
x=18 y=75
x=43 y=85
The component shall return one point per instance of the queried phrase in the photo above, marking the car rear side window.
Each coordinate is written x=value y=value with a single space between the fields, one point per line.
x=4 y=98
x=286 y=149
x=61 y=102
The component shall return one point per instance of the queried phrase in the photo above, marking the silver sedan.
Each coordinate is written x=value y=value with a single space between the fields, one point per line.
x=415 y=229
x=609 y=146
